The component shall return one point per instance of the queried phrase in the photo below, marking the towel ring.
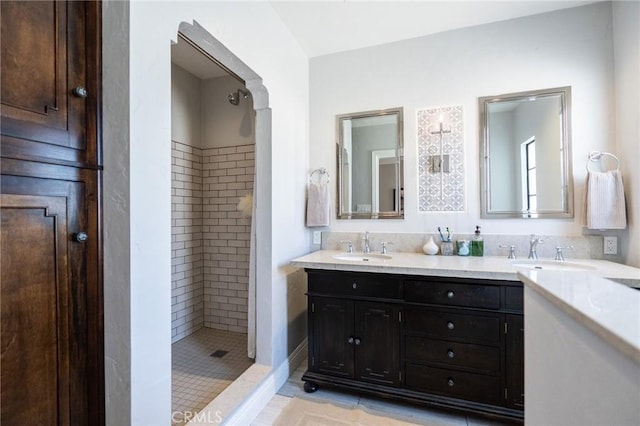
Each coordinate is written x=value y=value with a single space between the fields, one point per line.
x=321 y=172
x=597 y=156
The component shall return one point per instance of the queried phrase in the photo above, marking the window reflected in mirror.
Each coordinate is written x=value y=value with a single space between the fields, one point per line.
x=525 y=164
x=370 y=172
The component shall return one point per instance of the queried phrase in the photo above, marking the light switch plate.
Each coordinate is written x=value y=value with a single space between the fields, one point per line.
x=317 y=237
x=610 y=245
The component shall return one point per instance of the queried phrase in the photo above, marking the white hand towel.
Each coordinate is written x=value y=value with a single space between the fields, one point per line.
x=605 y=204
x=318 y=205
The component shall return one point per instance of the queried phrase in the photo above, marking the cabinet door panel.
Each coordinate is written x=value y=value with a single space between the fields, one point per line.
x=35 y=310
x=378 y=345
x=333 y=334
x=48 y=49
x=49 y=284
x=515 y=360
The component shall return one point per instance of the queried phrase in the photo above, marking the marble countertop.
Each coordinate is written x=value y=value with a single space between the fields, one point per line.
x=610 y=310
x=488 y=267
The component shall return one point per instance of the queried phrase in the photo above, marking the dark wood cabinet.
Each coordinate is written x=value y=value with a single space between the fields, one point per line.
x=448 y=342
x=52 y=353
x=333 y=332
x=354 y=339
x=50 y=88
x=515 y=360
x=377 y=343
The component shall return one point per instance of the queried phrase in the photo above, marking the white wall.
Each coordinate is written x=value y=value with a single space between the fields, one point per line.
x=255 y=34
x=185 y=111
x=572 y=47
x=626 y=37
x=116 y=212
x=224 y=124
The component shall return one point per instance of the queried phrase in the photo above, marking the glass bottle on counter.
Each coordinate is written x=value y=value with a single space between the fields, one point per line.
x=477 y=244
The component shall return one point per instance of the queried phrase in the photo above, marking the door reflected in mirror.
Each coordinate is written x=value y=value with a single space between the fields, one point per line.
x=525 y=164
x=370 y=165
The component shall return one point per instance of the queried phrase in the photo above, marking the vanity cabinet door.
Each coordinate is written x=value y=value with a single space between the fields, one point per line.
x=515 y=361
x=332 y=336
x=377 y=343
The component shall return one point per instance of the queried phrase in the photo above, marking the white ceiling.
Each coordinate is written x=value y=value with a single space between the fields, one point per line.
x=330 y=26
x=191 y=59
x=324 y=27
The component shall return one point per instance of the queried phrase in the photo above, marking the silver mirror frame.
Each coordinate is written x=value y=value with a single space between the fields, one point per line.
x=399 y=212
x=485 y=187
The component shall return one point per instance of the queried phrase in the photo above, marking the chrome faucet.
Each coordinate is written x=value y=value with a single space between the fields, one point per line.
x=559 y=255
x=365 y=248
x=533 y=244
x=512 y=250
x=349 y=245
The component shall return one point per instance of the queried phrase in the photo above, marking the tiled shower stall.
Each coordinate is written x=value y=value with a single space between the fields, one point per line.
x=210 y=271
x=210 y=238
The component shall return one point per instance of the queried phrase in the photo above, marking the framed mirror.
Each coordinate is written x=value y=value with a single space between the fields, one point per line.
x=525 y=161
x=370 y=165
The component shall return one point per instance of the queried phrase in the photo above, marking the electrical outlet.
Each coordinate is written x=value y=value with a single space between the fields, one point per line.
x=610 y=245
x=317 y=237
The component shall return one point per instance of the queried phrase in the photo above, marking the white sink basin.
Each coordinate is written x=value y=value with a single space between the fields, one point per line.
x=552 y=265
x=361 y=257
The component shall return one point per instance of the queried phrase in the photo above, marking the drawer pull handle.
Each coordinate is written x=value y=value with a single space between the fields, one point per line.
x=450 y=382
x=357 y=340
x=450 y=294
x=450 y=325
x=354 y=285
x=451 y=354
x=350 y=340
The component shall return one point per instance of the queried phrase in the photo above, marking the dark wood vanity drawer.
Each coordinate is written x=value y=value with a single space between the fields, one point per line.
x=482 y=359
x=456 y=384
x=452 y=294
x=350 y=284
x=483 y=328
x=514 y=298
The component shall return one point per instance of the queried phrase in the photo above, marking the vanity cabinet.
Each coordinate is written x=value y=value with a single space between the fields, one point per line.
x=354 y=328
x=448 y=342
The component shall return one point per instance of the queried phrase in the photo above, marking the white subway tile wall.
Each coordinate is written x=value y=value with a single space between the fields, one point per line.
x=227 y=175
x=186 y=241
x=210 y=238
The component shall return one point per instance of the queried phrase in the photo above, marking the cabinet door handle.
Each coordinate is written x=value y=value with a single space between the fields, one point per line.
x=354 y=285
x=451 y=353
x=357 y=340
x=81 y=237
x=450 y=325
x=450 y=294
x=80 y=92
x=450 y=382
x=350 y=340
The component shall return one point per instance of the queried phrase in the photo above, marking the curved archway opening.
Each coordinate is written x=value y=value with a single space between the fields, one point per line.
x=232 y=184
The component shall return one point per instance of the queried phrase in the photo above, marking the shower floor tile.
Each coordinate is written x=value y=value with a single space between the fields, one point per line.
x=198 y=377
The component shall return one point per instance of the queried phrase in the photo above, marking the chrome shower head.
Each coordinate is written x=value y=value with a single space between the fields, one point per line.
x=234 y=98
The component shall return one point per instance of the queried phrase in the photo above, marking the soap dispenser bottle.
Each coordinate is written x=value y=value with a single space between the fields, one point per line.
x=477 y=244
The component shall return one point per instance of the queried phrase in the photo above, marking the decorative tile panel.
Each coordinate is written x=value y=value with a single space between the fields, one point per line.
x=441 y=160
